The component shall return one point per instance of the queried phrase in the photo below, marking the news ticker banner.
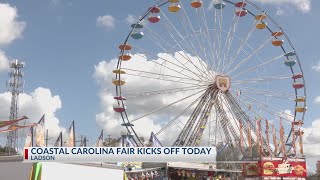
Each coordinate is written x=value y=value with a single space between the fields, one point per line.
x=120 y=154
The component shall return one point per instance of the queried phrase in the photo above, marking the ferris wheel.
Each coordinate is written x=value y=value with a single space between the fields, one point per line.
x=221 y=73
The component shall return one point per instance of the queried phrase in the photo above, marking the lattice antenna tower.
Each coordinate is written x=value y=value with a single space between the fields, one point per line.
x=15 y=86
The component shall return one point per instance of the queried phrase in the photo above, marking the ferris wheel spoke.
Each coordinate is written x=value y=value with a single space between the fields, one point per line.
x=191 y=27
x=252 y=107
x=159 y=109
x=203 y=68
x=202 y=35
x=243 y=43
x=261 y=94
x=262 y=79
x=208 y=37
x=237 y=121
x=266 y=106
x=185 y=56
x=258 y=66
x=236 y=107
x=221 y=147
x=218 y=129
x=224 y=128
x=158 y=40
x=265 y=142
x=157 y=75
x=206 y=57
x=214 y=37
x=265 y=91
x=244 y=60
x=192 y=131
x=247 y=105
x=164 y=91
x=232 y=125
x=229 y=39
x=173 y=120
x=190 y=45
x=183 y=67
x=183 y=64
x=247 y=122
x=219 y=35
x=223 y=119
x=162 y=79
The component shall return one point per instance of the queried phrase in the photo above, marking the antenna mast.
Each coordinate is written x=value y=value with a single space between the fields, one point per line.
x=15 y=87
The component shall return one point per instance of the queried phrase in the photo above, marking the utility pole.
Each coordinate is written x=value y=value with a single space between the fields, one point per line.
x=15 y=87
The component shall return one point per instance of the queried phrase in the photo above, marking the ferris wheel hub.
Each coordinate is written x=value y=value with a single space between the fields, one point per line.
x=222 y=82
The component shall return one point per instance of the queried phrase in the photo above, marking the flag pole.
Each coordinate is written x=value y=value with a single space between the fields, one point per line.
x=102 y=135
x=31 y=136
x=74 y=134
x=61 y=142
x=47 y=138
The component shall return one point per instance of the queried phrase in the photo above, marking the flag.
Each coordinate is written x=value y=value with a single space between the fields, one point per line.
x=58 y=142
x=283 y=146
x=99 y=142
x=10 y=122
x=29 y=139
x=40 y=132
x=300 y=142
x=249 y=140
x=241 y=138
x=258 y=134
x=155 y=141
x=70 y=142
x=129 y=142
x=274 y=137
x=294 y=140
x=267 y=137
x=16 y=127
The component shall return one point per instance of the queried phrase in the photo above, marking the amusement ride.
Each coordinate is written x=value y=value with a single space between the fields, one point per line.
x=218 y=73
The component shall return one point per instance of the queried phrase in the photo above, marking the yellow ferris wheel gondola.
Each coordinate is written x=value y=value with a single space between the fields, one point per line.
x=118 y=82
